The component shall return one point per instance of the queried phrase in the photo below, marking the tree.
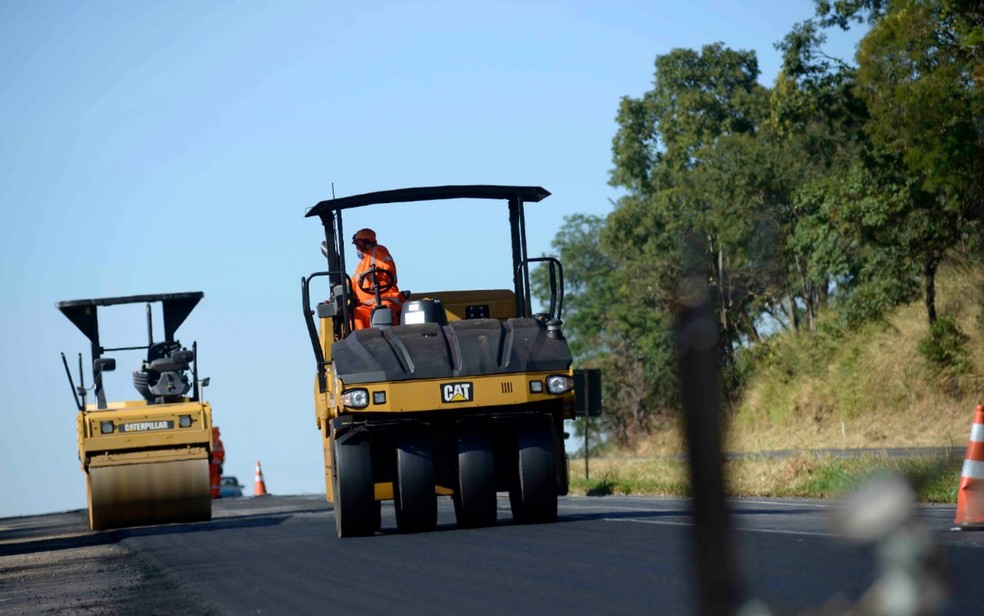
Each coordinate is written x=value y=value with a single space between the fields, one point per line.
x=596 y=337
x=671 y=146
x=858 y=233
x=817 y=122
x=588 y=291
x=918 y=66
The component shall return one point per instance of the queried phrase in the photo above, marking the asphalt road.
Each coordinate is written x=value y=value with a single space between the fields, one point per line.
x=611 y=555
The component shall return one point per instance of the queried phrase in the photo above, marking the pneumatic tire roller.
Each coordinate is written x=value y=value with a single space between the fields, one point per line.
x=463 y=396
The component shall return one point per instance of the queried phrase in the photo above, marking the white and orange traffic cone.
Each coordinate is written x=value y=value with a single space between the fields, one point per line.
x=259 y=488
x=970 y=496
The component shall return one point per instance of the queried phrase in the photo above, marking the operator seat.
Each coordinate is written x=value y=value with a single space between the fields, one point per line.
x=161 y=376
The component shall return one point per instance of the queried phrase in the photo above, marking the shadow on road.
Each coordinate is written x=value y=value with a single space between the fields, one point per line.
x=70 y=530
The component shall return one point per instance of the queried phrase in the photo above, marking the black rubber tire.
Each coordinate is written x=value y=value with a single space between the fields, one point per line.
x=354 y=492
x=377 y=516
x=475 y=500
x=413 y=491
x=533 y=497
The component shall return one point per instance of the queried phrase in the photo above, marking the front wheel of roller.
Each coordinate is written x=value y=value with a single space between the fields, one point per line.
x=174 y=491
x=354 y=500
x=475 y=500
x=533 y=496
x=413 y=493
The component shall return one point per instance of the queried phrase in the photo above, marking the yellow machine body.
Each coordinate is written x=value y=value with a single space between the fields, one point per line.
x=424 y=396
x=142 y=467
x=145 y=461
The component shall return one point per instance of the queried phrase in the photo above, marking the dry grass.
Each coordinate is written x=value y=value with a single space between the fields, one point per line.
x=868 y=389
x=876 y=390
x=803 y=475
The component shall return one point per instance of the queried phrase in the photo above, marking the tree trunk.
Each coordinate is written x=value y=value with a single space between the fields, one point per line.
x=789 y=305
x=809 y=296
x=929 y=279
x=724 y=300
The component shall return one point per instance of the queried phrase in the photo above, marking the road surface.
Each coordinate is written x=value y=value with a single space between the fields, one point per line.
x=611 y=555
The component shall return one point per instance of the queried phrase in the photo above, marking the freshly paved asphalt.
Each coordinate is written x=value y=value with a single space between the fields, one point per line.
x=612 y=555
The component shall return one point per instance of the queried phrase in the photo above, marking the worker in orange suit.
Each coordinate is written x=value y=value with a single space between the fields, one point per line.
x=376 y=269
x=215 y=463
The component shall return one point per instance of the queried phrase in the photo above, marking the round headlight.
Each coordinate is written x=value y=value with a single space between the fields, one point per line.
x=184 y=421
x=106 y=427
x=356 y=398
x=559 y=384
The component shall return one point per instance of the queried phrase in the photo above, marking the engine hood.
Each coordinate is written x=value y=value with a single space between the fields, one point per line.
x=470 y=347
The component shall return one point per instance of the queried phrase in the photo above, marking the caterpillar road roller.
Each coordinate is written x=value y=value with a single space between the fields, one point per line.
x=463 y=396
x=146 y=460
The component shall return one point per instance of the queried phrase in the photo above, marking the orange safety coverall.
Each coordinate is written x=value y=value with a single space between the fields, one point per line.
x=215 y=463
x=365 y=296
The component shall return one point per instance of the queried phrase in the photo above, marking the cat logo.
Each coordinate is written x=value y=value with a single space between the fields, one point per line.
x=457 y=392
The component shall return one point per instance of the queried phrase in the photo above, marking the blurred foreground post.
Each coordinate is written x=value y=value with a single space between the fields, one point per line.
x=718 y=588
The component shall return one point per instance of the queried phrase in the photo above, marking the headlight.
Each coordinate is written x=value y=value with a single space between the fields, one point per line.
x=559 y=384
x=356 y=398
x=536 y=387
x=106 y=427
x=184 y=421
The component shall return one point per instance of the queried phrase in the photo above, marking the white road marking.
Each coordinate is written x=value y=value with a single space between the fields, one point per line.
x=774 y=531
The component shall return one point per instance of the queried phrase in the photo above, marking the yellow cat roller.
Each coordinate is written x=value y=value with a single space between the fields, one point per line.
x=145 y=461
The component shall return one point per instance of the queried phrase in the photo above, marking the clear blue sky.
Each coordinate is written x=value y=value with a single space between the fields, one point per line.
x=156 y=147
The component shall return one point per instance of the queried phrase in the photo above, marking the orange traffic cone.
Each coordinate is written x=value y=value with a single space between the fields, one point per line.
x=970 y=496
x=259 y=488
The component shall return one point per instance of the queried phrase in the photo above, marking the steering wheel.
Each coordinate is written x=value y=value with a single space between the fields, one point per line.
x=380 y=280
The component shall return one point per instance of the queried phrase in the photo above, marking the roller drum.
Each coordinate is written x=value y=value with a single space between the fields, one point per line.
x=150 y=493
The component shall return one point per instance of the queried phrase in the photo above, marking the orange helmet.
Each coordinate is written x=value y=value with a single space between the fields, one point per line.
x=365 y=234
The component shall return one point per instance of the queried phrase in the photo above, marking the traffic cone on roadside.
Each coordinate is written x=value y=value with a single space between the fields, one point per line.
x=259 y=488
x=970 y=496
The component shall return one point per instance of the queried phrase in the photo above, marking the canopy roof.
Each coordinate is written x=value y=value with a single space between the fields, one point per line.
x=130 y=299
x=528 y=194
x=177 y=307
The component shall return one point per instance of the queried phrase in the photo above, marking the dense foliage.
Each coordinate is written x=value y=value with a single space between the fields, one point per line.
x=841 y=188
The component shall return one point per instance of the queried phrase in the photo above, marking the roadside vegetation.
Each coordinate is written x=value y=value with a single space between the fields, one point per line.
x=838 y=215
x=800 y=476
x=814 y=397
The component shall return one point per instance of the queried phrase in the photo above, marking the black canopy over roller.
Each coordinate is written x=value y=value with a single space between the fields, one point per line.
x=176 y=306
x=83 y=313
x=330 y=212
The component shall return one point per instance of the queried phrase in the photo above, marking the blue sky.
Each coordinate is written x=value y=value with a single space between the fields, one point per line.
x=160 y=147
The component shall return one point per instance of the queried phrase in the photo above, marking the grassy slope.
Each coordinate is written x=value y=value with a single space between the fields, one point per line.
x=867 y=389
x=871 y=388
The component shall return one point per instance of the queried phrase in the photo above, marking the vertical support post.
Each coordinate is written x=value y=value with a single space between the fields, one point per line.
x=335 y=253
x=82 y=382
x=97 y=379
x=515 y=232
x=150 y=326
x=587 y=473
x=194 y=371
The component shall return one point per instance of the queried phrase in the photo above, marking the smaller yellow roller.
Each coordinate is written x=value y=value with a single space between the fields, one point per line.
x=146 y=461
